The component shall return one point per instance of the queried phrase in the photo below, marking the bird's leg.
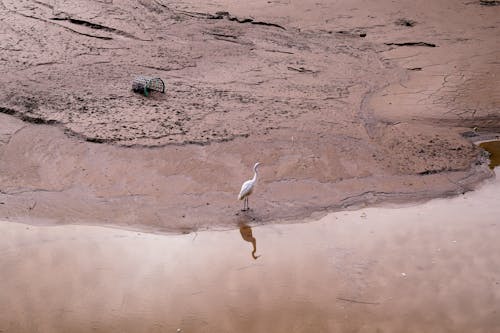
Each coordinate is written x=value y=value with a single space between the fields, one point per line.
x=248 y=204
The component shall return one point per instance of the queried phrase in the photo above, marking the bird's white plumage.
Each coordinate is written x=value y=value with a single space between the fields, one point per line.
x=247 y=188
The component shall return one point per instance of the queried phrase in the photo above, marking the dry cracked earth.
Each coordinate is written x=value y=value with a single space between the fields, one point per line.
x=345 y=103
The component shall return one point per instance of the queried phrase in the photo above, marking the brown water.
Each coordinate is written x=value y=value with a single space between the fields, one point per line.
x=425 y=268
x=493 y=147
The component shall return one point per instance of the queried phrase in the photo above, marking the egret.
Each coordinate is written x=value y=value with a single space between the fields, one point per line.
x=247 y=188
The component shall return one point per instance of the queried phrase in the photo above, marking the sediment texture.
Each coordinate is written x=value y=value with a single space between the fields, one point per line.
x=344 y=103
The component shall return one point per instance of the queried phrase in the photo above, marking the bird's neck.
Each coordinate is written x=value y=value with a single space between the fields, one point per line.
x=254 y=175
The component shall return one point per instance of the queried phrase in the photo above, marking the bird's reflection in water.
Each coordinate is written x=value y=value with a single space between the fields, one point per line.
x=246 y=234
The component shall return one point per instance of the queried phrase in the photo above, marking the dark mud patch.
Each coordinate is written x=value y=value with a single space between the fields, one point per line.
x=226 y=15
x=32 y=119
x=426 y=44
x=350 y=33
x=405 y=22
x=8 y=111
x=490 y=3
x=96 y=26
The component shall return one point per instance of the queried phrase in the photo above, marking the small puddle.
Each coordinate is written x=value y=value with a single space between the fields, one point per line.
x=420 y=268
x=492 y=147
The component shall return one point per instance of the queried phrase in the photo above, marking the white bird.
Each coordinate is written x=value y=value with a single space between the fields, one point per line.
x=247 y=188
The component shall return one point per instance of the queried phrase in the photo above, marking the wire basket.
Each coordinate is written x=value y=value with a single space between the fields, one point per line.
x=144 y=85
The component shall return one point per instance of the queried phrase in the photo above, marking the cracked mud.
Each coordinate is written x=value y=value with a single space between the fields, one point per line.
x=345 y=104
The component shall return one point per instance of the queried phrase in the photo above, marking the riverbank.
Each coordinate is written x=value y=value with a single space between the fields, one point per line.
x=430 y=267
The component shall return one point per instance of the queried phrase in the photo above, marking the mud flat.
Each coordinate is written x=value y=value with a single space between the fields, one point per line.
x=50 y=178
x=346 y=103
x=431 y=267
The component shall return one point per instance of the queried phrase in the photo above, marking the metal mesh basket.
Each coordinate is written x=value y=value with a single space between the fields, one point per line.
x=145 y=84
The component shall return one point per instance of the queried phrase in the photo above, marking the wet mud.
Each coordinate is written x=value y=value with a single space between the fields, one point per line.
x=345 y=103
x=50 y=178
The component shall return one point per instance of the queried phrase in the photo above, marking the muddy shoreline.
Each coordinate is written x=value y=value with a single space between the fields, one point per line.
x=430 y=267
x=345 y=105
x=99 y=192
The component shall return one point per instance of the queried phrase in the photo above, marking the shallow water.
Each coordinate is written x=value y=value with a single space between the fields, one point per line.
x=428 y=267
x=493 y=147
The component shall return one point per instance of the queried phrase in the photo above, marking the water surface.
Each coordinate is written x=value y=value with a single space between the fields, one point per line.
x=493 y=147
x=421 y=268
